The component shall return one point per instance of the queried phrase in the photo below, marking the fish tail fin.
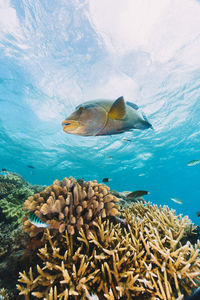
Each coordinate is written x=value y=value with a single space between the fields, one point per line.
x=143 y=124
x=148 y=124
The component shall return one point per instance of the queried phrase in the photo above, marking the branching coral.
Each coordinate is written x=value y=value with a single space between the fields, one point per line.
x=65 y=275
x=163 y=218
x=3 y=294
x=144 y=259
x=14 y=190
x=66 y=205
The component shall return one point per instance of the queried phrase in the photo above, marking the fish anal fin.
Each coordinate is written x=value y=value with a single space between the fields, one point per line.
x=118 y=109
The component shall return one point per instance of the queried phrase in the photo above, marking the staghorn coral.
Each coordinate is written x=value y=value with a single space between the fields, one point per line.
x=145 y=260
x=3 y=294
x=14 y=190
x=164 y=218
x=66 y=205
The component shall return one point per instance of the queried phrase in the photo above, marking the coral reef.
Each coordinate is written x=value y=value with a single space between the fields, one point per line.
x=14 y=190
x=5 y=239
x=149 y=257
x=67 y=205
x=12 y=243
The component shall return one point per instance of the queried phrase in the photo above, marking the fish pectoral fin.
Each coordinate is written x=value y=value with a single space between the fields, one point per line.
x=133 y=105
x=118 y=109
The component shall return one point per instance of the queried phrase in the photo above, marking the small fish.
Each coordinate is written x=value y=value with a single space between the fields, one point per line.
x=106 y=179
x=193 y=162
x=126 y=140
x=137 y=194
x=33 y=219
x=3 y=173
x=120 y=220
x=179 y=201
x=198 y=214
x=30 y=167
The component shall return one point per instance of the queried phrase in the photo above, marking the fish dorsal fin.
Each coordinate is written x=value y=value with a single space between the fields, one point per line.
x=133 y=105
x=118 y=109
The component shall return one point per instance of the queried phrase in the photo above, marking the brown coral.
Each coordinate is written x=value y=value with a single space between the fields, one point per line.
x=66 y=205
x=147 y=258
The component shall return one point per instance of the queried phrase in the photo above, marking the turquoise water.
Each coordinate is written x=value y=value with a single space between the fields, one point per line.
x=55 y=55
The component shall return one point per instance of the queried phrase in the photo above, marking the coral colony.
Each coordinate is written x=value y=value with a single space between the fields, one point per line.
x=67 y=205
x=14 y=190
x=84 y=253
x=82 y=241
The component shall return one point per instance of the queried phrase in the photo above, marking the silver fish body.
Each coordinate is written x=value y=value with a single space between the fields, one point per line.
x=193 y=162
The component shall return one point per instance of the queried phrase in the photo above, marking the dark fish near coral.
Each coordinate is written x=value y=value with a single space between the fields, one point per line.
x=33 y=219
x=106 y=179
x=30 y=167
x=193 y=162
x=137 y=194
x=105 y=117
x=120 y=220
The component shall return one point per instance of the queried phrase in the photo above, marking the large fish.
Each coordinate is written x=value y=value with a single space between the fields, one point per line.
x=105 y=117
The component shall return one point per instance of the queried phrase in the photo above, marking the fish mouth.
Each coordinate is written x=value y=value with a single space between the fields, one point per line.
x=70 y=125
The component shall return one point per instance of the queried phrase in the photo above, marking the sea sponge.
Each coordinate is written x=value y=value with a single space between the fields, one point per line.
x=138 y=261
x=66 y=205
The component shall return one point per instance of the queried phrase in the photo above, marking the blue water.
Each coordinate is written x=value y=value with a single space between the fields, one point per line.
x=57 y=54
